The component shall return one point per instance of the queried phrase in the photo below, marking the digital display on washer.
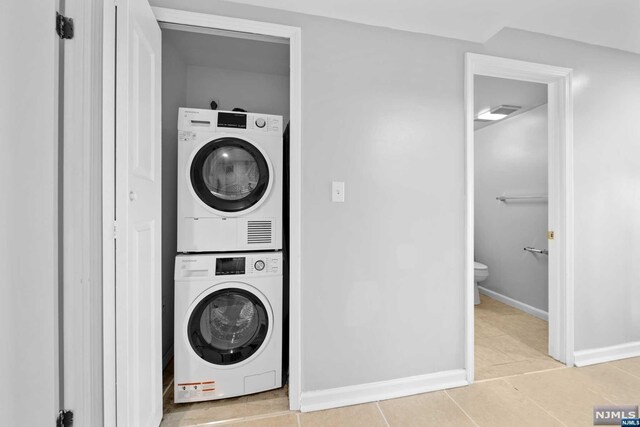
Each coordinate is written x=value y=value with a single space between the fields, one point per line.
x=232 y=120
x=225 y=266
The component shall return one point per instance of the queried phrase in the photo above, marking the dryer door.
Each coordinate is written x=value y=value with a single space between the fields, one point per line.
x=228 y=326
x=231 y=175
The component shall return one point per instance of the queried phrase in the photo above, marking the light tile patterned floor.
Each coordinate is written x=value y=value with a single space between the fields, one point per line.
x=509 y=341
x=520 y=386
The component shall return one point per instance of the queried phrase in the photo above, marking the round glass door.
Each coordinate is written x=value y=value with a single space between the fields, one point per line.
x=228 y=326
x=229 y=174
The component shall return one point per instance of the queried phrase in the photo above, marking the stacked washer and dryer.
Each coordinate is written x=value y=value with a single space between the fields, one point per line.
x=229 y=273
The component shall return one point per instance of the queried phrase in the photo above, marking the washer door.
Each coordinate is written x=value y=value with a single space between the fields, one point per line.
x=228 y=326
x=230 y=175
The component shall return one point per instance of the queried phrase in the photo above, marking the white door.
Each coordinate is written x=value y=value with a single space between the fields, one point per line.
x=138 y=262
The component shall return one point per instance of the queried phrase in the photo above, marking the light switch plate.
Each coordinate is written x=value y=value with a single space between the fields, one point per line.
x=337 y=191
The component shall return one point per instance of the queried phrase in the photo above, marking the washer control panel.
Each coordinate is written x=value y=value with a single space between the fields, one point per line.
x=248 y=265
x=202 y=266
x=264 y=264
x=264 y=123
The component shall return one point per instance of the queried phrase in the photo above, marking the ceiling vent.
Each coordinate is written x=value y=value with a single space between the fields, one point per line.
x=497 y=113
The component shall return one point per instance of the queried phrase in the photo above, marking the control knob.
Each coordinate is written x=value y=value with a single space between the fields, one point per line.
x=260 y=122
x=259 y=265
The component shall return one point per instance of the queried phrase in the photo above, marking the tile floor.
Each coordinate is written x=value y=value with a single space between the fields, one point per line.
x=520 y=386
x=509 y=341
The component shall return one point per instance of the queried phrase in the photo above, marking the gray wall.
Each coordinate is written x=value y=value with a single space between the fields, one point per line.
x=511 y=158
x=383 y=280
x=174 y=96
x=28 y=214
x=606 y=174
x=383 y=272
x=257 y=92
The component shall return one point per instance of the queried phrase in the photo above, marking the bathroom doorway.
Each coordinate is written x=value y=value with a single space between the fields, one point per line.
x=511 y=265
x=519 y=217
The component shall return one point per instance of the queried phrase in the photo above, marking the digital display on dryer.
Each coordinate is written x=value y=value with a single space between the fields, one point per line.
x=232 y=120
x=226 y=266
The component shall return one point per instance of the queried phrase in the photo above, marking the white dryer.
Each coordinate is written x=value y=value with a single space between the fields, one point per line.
x=228 y=325
x=229 y=181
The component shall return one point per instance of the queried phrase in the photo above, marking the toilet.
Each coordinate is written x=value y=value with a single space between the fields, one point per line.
x=480 y=274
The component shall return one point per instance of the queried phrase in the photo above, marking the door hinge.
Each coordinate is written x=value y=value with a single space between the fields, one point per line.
x=65 y=418
x=64 y=26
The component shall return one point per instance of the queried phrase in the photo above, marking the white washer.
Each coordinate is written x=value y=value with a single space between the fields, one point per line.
x=228 y=325
x=229 y=181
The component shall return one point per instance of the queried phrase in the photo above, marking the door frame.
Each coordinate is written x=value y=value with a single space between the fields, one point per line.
x=561 y=195
x=294 y=35
x=81 y=164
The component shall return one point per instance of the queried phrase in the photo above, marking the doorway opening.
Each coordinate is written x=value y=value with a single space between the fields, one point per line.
x=138 y=278
x=206 y=70
x=511 y=266
x=519 y=195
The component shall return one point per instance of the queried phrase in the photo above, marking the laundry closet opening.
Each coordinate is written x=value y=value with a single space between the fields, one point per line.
x=225 y=221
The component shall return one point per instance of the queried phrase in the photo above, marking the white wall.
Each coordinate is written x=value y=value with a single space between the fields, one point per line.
x=511 y=158
x=383 y=282
x=174 y=95
x=28 y=214
x=257 y=92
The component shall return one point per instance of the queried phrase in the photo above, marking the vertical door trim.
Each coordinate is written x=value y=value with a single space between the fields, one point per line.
x=561 y=212
x=108 y=212
x=82 y=215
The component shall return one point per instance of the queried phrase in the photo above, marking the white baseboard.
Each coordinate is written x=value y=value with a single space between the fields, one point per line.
x=606 y=354
x=540 y=314
x=382 y=390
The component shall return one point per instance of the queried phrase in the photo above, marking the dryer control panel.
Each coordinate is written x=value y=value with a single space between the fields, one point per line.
x=198 y=267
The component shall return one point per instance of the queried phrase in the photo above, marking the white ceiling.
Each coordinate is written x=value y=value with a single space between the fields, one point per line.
x=232 y=53
x=491 y=92
x=612 y=23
